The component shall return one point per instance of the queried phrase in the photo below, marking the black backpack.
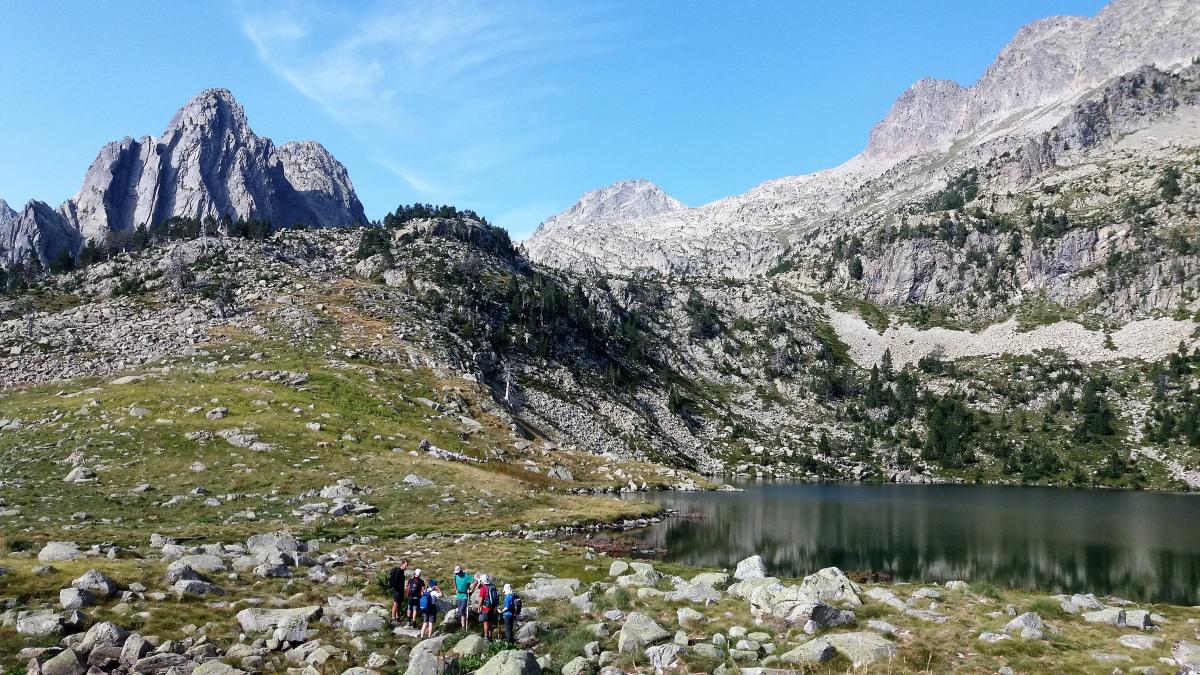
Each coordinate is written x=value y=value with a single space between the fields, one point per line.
x=415 y=585
x=516 y=605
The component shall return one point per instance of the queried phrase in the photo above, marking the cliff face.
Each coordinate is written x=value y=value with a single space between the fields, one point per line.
x=207 y=163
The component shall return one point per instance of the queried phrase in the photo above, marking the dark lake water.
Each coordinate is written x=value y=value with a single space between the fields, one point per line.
x=1143 y=546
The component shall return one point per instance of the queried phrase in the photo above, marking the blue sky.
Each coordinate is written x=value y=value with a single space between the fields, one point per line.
x=512 y=109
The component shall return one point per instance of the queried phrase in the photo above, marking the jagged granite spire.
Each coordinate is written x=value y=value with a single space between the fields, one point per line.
x=207 y=162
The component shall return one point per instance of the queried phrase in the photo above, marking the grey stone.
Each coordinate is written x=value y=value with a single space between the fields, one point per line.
x=664 y=657
x=135 y=648
x=215 y=667
x=638 y=632
x=538 y=590
x=471 y=645
x=423 y=660
x=80 y=474
x=1029 y=626
x=74 y=598
x=67 y=662
x=261 y=620
x=160 y=663
x=1113 y=616
x=57 y=551
x=817 y=650
x=708 y=650
x=1135 y=641
x=511 y=662
x=39 y=622
x=202 y=563
x=103 y=634
x=831 y=585
x=689 y=592
x=617 y=568
x=1105 y=657
x=578 y=666
x=1187 y=654
x=97 y=582
x=862 y=648
x=363 y=622
x=750 y=568
x=528 y=634
x=641 y=578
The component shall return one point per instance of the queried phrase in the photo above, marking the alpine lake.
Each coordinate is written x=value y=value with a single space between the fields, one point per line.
x=1142 y=546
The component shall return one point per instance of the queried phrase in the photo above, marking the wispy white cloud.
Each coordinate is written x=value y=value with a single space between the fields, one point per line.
x=444 y=91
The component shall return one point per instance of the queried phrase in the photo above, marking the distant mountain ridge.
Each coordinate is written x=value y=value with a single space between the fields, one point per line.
x=935 y=130
x=207 y=163
x=623 y=200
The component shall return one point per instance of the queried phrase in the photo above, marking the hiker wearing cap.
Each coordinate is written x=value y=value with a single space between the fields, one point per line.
x=396 y=586
x=510 y=609
x=416 y=586
x=464 y=583
x=428 y=608
x=488 y=601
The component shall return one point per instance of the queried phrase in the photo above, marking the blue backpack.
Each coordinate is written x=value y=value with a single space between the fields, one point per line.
x=426 y=600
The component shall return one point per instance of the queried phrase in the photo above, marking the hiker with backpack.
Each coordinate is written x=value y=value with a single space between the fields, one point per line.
x=416 y=586
x=464 y=583
x=509 y=611
x=427 y=605
x=396 y=587
x=489 y=600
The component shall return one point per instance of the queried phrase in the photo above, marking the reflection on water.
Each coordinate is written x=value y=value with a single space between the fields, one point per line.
x=1139 y=545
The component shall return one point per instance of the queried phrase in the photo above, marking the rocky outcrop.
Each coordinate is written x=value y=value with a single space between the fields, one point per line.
x=208 y=163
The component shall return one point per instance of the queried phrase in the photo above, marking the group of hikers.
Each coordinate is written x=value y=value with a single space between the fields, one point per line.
x=416 y=600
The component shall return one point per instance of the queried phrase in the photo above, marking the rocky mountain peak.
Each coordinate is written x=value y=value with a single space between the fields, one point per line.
x=213 y=110
x=623 y=200
x=208 y=163
x=1048 y=61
